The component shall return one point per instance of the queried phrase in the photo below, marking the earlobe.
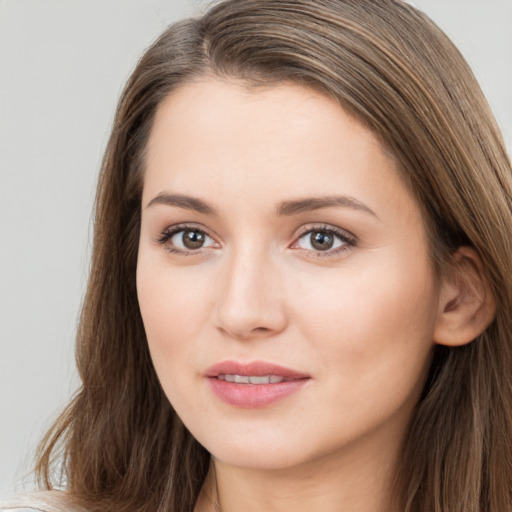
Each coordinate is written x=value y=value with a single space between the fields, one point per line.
x=467 y=305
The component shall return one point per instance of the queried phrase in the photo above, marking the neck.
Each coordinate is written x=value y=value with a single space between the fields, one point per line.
x=337 y=482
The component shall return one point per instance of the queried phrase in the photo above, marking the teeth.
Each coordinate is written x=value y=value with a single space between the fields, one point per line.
x=252 y=379
x=260 y=380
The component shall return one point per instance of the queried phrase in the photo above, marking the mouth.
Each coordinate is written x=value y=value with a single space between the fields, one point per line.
x=253 y=385
x=252 y=379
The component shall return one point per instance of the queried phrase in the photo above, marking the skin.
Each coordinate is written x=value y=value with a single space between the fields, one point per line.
x=359 y=319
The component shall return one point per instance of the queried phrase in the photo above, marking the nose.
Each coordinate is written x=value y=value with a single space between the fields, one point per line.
x=250 y=303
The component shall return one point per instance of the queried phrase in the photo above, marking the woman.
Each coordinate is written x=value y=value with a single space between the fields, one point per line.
x=301 y=284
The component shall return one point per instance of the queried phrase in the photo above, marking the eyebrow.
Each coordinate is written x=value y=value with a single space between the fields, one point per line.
x=316 y=203
x=182 y=201
x=286 y=208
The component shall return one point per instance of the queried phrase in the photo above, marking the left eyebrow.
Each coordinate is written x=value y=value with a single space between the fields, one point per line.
x=183 y=201
x=316 y=203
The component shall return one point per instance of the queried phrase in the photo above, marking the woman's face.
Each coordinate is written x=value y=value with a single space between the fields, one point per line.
x=283 y=276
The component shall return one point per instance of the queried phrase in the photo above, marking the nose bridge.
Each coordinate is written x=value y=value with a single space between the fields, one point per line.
x=250 y=300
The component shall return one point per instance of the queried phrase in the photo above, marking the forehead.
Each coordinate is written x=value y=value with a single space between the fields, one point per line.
x=214 y=136
x=209 y=109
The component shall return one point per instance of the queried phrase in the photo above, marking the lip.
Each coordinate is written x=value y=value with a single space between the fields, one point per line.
x=251 y=396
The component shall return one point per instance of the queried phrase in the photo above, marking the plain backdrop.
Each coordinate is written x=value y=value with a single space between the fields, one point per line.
x=62 y=67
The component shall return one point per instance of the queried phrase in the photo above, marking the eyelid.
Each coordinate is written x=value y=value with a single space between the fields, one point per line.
x=322 y=226
x=349 y=240
x=170 y=231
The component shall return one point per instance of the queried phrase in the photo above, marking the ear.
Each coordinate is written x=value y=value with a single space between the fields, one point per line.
x=467 y=305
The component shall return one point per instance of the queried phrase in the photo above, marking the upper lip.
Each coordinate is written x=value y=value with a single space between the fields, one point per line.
x=255 y=368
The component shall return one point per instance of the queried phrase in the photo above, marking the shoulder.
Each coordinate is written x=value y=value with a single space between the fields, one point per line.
x=44 y=501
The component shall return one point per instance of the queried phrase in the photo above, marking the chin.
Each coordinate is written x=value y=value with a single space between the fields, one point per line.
x=275 y=449
x=260 y=457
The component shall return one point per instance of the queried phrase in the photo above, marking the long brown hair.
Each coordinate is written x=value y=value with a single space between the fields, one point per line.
x=119 y=445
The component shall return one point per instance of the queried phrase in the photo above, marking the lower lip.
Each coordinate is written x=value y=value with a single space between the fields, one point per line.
x=253 y=396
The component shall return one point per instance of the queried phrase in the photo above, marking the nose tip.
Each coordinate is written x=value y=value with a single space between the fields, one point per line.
x=251 y=303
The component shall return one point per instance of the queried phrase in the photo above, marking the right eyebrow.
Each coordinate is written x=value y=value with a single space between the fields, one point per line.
x=316 y=203
x=183 y=201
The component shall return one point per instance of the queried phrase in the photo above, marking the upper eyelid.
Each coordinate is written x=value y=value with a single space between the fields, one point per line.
x=164 y=235
x=308 y=228
x=299 y=233
x=190 y=226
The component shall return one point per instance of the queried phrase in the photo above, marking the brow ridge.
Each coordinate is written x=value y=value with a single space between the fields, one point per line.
x=183 y=201
x=285 y=208
x=296 y=206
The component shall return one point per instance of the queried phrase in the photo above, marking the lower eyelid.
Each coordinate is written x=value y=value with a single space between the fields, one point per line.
x=337 y=252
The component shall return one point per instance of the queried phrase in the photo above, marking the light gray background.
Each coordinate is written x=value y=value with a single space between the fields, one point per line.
x=62 y=66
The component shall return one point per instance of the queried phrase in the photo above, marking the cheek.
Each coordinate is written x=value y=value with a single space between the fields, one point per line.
x=175 y=306
x=373 y=325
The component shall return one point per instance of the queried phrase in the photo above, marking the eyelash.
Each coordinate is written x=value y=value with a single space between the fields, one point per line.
x=169 y=232
x=348 y=240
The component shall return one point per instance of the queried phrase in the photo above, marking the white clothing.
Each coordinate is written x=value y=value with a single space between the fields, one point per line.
x=43 y=501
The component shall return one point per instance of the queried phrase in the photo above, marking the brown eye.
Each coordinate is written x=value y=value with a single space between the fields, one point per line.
x=193 y=239
x=187 y=240
x=324 y=240
x=321 y=240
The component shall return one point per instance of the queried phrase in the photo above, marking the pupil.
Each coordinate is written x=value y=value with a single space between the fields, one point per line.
x=321 y=240
x=193 y=239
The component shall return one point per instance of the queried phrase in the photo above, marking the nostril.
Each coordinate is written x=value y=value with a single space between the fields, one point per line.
x=245 y=332
x=246 y=306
